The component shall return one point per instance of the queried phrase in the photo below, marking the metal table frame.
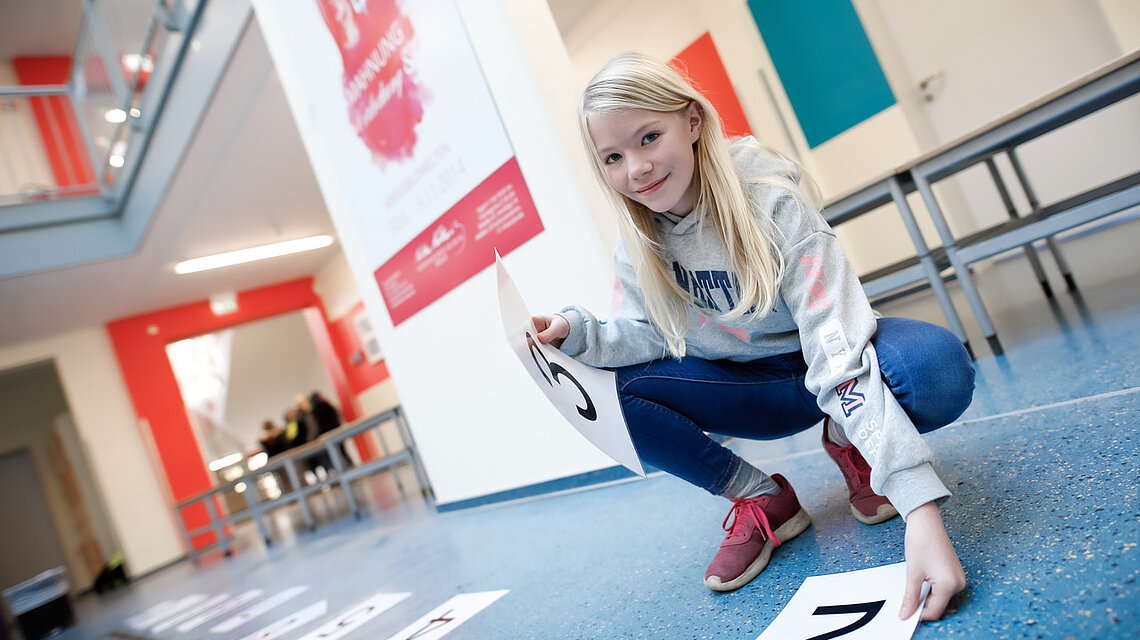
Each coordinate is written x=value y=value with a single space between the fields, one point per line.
x=299 y=493
x=1103 y=87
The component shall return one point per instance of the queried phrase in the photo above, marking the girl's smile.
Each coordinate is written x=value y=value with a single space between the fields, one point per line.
x=648 y=155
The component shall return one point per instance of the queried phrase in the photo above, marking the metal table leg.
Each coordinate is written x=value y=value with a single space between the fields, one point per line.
x=333 y=449
x=932 y=272
x=1035 y=206
x=960 y=268
x=1030 y=251
x=298 y=488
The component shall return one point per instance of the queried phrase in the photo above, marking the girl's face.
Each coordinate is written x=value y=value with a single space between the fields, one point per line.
x=648 y=155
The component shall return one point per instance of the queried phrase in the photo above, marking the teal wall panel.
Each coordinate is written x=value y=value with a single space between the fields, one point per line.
x=825 y=62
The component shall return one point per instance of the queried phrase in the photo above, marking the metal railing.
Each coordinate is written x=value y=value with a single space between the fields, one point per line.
x=257 y=506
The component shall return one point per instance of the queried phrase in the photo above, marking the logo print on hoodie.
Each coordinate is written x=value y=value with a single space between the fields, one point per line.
x=849 y=398
x=817 y=294
x=704 y=285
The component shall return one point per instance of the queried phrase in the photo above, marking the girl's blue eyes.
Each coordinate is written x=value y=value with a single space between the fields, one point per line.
x=646 y=139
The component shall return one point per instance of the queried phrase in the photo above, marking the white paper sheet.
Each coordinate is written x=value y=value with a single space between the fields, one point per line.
x=585 y=396
x=856 y=605
x=448 y=616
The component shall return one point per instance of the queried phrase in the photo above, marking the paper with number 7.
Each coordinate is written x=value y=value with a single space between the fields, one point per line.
x=585 y=396
x=857 y=605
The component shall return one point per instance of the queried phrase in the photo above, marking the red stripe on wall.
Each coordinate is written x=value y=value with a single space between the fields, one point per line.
x=140 y=347
x=59 y=130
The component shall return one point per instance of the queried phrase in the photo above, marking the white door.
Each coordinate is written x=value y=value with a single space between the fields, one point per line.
x=972 y=61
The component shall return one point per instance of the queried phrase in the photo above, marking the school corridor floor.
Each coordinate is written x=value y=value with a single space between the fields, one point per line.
x=1045 y=515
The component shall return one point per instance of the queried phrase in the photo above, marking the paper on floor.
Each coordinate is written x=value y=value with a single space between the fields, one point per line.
x=858 y=604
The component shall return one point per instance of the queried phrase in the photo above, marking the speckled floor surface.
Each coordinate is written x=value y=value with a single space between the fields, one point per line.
x=1045 y=516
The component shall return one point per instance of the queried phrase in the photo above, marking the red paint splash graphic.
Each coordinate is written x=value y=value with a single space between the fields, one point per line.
x=385 y=103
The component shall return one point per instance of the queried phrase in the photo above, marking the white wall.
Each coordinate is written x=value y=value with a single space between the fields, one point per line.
x=1124 y=19
x=116 y=446
x=1018 y=51
x=334 y=284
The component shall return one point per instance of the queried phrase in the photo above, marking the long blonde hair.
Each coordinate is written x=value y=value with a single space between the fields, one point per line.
x=636 y=81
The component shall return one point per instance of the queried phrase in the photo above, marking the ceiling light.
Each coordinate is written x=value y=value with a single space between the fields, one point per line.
x=115 y=116
x=116 y=161
x=254 y=253
x=225 y=461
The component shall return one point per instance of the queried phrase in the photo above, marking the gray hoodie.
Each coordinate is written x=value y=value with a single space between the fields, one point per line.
x=821 y=309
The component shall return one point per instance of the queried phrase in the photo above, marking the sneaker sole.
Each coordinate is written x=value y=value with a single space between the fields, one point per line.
x=886 y=512
x=795 y=525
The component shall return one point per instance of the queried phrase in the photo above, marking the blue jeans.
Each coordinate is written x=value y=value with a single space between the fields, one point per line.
x=670 y=404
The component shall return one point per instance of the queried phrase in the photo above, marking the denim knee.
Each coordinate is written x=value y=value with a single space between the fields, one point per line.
x=927 y=369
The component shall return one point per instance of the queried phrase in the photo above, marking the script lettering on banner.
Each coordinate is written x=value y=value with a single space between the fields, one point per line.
x=858 y=605
x=585 y=396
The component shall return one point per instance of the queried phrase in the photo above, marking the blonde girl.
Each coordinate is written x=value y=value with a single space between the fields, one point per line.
x=738 y=314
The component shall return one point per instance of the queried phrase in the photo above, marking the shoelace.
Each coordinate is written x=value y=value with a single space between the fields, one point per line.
x=742 y=510
x=862 y=471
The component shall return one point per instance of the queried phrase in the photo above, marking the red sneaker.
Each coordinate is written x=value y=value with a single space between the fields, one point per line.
x=867 y=506
x=759 y=525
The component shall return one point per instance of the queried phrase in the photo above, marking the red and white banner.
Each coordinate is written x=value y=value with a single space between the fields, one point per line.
x=412 y=134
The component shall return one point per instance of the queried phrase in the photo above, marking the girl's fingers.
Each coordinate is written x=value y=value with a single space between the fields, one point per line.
x=910 y=599
x=936 y=603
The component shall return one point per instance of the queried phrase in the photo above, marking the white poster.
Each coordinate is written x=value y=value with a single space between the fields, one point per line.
x=404 y=136
x=220 y=609
x=290 y=622
x=263 y=607
x=855 y=605
x=354 y=617
x=585 y=396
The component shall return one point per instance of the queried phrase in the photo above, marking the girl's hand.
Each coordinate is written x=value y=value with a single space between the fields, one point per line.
x=930 y=556
x=551 y=329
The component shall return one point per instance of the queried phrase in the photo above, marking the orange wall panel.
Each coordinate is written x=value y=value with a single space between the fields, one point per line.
x=701 y=62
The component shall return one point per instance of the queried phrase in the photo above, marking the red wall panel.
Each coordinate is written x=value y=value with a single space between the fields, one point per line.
x=701 y=62
x=140 y=347
x=59 y=131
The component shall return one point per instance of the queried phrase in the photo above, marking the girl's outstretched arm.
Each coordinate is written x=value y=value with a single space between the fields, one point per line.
x=552 y=329
x=930 y=556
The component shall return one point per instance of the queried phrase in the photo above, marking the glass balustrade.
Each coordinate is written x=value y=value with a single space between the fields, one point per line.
x=80 y=129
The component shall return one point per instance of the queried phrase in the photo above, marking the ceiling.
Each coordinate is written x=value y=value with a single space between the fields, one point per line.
x=39 y=27
x=244 y=181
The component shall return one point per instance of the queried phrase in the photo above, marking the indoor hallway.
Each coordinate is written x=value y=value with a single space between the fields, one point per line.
x=1043 y=466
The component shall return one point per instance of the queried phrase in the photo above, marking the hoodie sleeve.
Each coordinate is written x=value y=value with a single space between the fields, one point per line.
x=626 y=338
x=836 y=324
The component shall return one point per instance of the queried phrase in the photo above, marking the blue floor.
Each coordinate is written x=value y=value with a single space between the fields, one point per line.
x=1046 y=517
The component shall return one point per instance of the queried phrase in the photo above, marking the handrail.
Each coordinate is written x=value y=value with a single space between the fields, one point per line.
x=329 y=443
x=33 y=90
